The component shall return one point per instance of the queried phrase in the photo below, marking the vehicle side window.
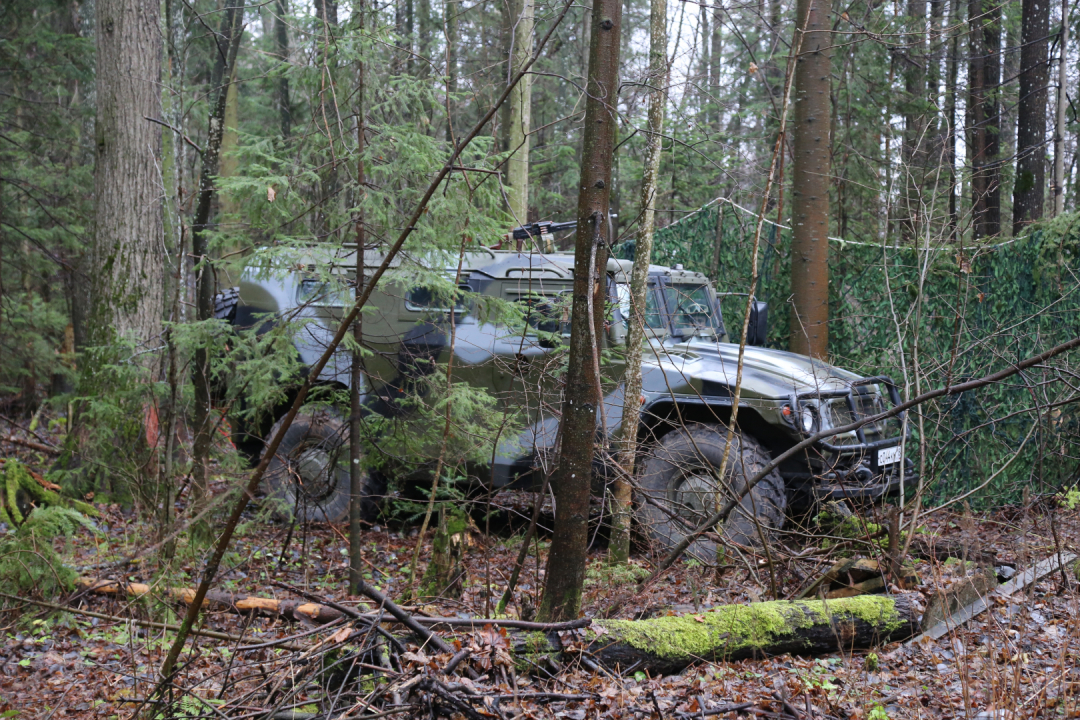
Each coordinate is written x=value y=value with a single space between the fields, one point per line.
x=547 y=314
x=313 y=291
x=425 y=299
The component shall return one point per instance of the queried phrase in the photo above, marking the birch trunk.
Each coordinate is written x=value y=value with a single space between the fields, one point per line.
x=1062 y=101
x=619 y=543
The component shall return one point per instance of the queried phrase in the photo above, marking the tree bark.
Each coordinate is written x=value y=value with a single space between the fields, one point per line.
x=228 y=44
x=811 y=175
x=983 y=116
x=565 y=575
x=127 y=260
x=522 y=18
x=619 y=542
x=1029 y=189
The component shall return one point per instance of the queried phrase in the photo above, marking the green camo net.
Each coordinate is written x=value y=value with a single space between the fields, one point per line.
x=1013 y=300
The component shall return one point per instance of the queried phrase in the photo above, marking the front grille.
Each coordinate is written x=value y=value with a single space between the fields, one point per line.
x=840 y=414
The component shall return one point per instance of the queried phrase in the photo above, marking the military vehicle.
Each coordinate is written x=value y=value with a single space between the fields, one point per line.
x=689 y=371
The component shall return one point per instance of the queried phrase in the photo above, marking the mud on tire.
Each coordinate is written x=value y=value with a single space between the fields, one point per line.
x=308 y=477
x=679 y=475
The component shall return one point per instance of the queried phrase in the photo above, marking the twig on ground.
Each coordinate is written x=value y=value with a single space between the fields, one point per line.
x=142 y=623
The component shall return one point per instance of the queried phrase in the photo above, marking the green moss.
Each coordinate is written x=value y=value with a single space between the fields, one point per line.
x=536 y=642
x=536 y=653
x=609 y=575
x=740 y=627
x=13 y=473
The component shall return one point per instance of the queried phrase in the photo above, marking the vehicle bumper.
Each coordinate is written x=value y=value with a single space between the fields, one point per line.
x=806 y=489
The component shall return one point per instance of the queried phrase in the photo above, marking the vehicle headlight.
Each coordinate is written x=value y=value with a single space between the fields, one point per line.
x=806 y=419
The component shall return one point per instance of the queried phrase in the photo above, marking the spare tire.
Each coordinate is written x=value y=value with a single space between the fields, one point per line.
x=308 y=477
x=225 y=303
x=680 y=489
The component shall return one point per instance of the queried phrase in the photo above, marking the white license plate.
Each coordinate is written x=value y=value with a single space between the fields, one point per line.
x=888 y=456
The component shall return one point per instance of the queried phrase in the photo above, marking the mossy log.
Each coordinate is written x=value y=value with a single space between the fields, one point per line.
x=23 y=490
x=806 y=627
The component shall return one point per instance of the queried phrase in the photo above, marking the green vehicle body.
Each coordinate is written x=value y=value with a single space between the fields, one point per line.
x=688 y=369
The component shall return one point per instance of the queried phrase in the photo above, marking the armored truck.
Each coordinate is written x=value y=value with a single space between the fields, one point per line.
x=689 y=376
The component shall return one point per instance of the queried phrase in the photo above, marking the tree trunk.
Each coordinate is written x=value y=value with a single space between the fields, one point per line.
x=227 y=46
x=453 y=32
x=565 y=575
x=810 y=182
x=619 y=542
x=1062 y=101
x=1029 y=190
x=126 y=260
x=715 y=58
x=667 y=645
x=281 y=39
x=984 y=78
x=521 y=20
x=703 y=83
x=952 y=69
x=356 y=471
x=913 y=151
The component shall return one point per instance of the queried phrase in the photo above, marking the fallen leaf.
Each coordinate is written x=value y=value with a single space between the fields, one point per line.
x=340 y=636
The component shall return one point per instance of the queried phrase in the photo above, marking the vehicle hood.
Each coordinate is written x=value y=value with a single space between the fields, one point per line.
x=767 y=373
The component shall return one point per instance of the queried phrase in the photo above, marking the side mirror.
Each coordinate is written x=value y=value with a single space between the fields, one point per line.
x=758 y=330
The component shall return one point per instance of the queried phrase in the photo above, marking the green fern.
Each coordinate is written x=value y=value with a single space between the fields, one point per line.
x=56 y=521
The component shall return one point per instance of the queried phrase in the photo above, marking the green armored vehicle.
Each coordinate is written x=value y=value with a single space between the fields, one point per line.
x=688 y=370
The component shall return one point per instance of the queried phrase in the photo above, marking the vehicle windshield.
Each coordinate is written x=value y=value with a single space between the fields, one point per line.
x=693 y=310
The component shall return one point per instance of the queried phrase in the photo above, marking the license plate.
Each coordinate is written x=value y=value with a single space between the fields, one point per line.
x=888 y=456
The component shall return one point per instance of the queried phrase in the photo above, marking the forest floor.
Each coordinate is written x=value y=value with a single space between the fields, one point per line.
x=1019 y=659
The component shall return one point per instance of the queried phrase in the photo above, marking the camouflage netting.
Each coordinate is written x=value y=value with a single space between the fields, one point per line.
x=994 y=304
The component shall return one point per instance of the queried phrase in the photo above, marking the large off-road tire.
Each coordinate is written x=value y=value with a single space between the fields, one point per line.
x=308 y=477
x=679 y=476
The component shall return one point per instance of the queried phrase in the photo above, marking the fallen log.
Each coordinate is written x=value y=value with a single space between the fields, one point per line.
x=659 y=645
x=284 y=644
x=293 y=610
x=666 y=645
